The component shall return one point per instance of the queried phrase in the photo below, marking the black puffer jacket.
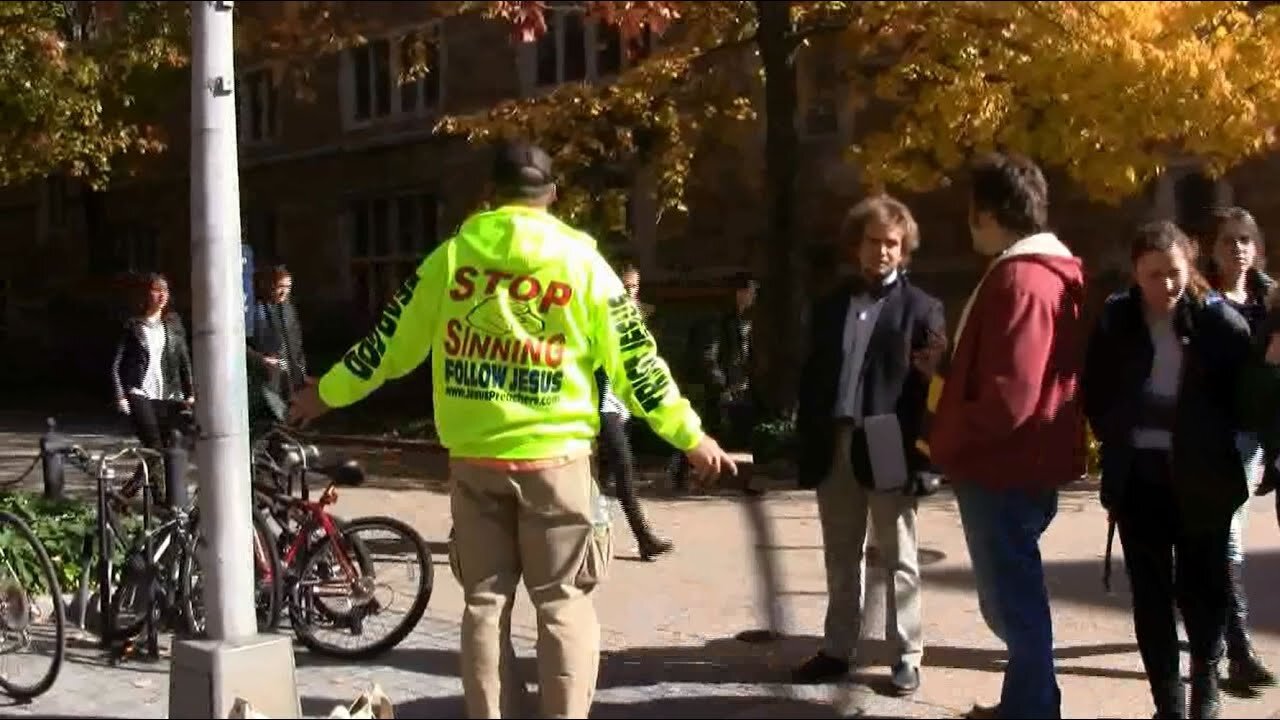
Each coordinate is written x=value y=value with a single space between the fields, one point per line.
x=132 y=359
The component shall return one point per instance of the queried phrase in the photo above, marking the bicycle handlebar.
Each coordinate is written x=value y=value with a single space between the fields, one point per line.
x=97 y=465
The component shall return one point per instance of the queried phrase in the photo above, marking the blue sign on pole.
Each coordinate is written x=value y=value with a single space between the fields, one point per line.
x=246 y=272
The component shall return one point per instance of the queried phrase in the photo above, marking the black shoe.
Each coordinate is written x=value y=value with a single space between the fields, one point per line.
x=1171 y=700
x=983 y=712
x=652 y=546
x=905 y=678
x=1247 y=676
x=1205 y=701
x=820 y=668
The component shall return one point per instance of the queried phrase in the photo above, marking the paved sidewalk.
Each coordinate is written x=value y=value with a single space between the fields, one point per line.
x=670 y=627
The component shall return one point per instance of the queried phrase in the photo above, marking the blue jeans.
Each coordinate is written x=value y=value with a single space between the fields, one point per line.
x=1003 y=529
x=1251 y=453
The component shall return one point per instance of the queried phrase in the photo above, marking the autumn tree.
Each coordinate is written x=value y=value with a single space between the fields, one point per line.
x=75 y=91
x=1109 y=92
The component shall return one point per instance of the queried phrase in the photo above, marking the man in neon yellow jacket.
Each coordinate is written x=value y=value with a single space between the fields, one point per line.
x=518 y=309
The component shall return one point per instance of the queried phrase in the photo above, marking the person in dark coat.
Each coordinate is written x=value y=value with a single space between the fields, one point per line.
x=1159 y=385
x=1232 y=270
x=277 y=362
x=874 y=344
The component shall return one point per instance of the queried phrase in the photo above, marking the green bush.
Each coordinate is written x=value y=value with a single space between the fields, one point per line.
x=773 y=440
x=60 y=525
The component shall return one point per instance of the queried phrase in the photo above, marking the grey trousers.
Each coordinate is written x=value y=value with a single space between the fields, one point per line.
x=844 y=507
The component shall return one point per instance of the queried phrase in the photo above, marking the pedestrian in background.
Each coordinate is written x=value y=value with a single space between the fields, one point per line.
x=1232 y=269
x=616 y=459
x=151 y=373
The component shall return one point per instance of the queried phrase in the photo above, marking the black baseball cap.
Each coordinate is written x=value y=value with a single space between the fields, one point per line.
x=522 y=169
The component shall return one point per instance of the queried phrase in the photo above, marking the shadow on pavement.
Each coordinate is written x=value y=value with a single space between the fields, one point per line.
x=684 y=706
x=1080 y=581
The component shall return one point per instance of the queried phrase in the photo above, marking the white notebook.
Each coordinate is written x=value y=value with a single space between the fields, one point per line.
x=884 y=450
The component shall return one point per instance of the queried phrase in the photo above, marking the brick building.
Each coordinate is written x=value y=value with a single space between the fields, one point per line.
x=350 y=188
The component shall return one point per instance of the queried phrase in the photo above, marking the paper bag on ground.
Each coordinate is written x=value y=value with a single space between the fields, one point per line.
x=371 y=704
x=242 y=710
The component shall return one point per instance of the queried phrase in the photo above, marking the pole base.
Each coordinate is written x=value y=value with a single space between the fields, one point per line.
x=209 y=675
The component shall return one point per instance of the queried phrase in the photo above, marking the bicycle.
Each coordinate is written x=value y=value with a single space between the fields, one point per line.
x=157 y=583
x=22 y=605
x=324 y=558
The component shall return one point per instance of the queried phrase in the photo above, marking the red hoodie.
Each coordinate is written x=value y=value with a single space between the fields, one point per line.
x=1009 y=415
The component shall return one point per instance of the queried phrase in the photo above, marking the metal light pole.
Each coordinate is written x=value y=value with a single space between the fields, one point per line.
x=208 y=675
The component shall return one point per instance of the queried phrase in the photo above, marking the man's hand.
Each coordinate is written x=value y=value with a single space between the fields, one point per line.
x=927 y=359
x=709 y=459
x=306 y=405
x=123 y=406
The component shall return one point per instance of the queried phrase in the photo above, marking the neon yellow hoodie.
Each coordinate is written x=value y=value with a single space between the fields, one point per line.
x=517 y=309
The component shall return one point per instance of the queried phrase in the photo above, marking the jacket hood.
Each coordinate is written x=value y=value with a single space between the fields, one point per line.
x=519 y=238
x=1046 y=250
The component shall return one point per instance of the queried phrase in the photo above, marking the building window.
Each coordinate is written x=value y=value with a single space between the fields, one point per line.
x=819 y=88
x=1186 y=195
x=1194 y=196
x=257 y=112
x=389 y=236
x=259 y=231
x=575 y=49
x=380 y=81
x=126 y=248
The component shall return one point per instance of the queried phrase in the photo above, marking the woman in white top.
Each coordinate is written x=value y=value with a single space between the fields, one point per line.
x=151 y=373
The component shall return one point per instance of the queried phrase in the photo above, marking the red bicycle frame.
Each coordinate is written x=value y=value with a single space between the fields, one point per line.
x=316 y=517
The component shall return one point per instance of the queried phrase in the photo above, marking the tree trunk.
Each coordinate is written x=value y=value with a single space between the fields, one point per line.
x=779 y=335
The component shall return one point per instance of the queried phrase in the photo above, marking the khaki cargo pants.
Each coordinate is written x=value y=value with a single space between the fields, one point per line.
x=535 y=524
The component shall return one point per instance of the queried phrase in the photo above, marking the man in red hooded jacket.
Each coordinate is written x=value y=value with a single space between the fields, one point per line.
x=1008 y=429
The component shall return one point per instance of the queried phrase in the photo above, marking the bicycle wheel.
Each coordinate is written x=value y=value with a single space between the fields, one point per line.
x=347 y=589
x=149 y=586
x=32 y=616
x=268 y=581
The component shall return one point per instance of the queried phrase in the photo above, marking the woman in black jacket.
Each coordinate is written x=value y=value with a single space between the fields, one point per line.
x=1159 y=390
x=151 y=372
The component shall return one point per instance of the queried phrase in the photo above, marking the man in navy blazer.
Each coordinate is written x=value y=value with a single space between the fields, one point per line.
x=874 y=345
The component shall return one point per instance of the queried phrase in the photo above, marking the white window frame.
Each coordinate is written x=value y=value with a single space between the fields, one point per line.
x=555 y=17
x=395 y=71
x=250 y=83
x=392 y=253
